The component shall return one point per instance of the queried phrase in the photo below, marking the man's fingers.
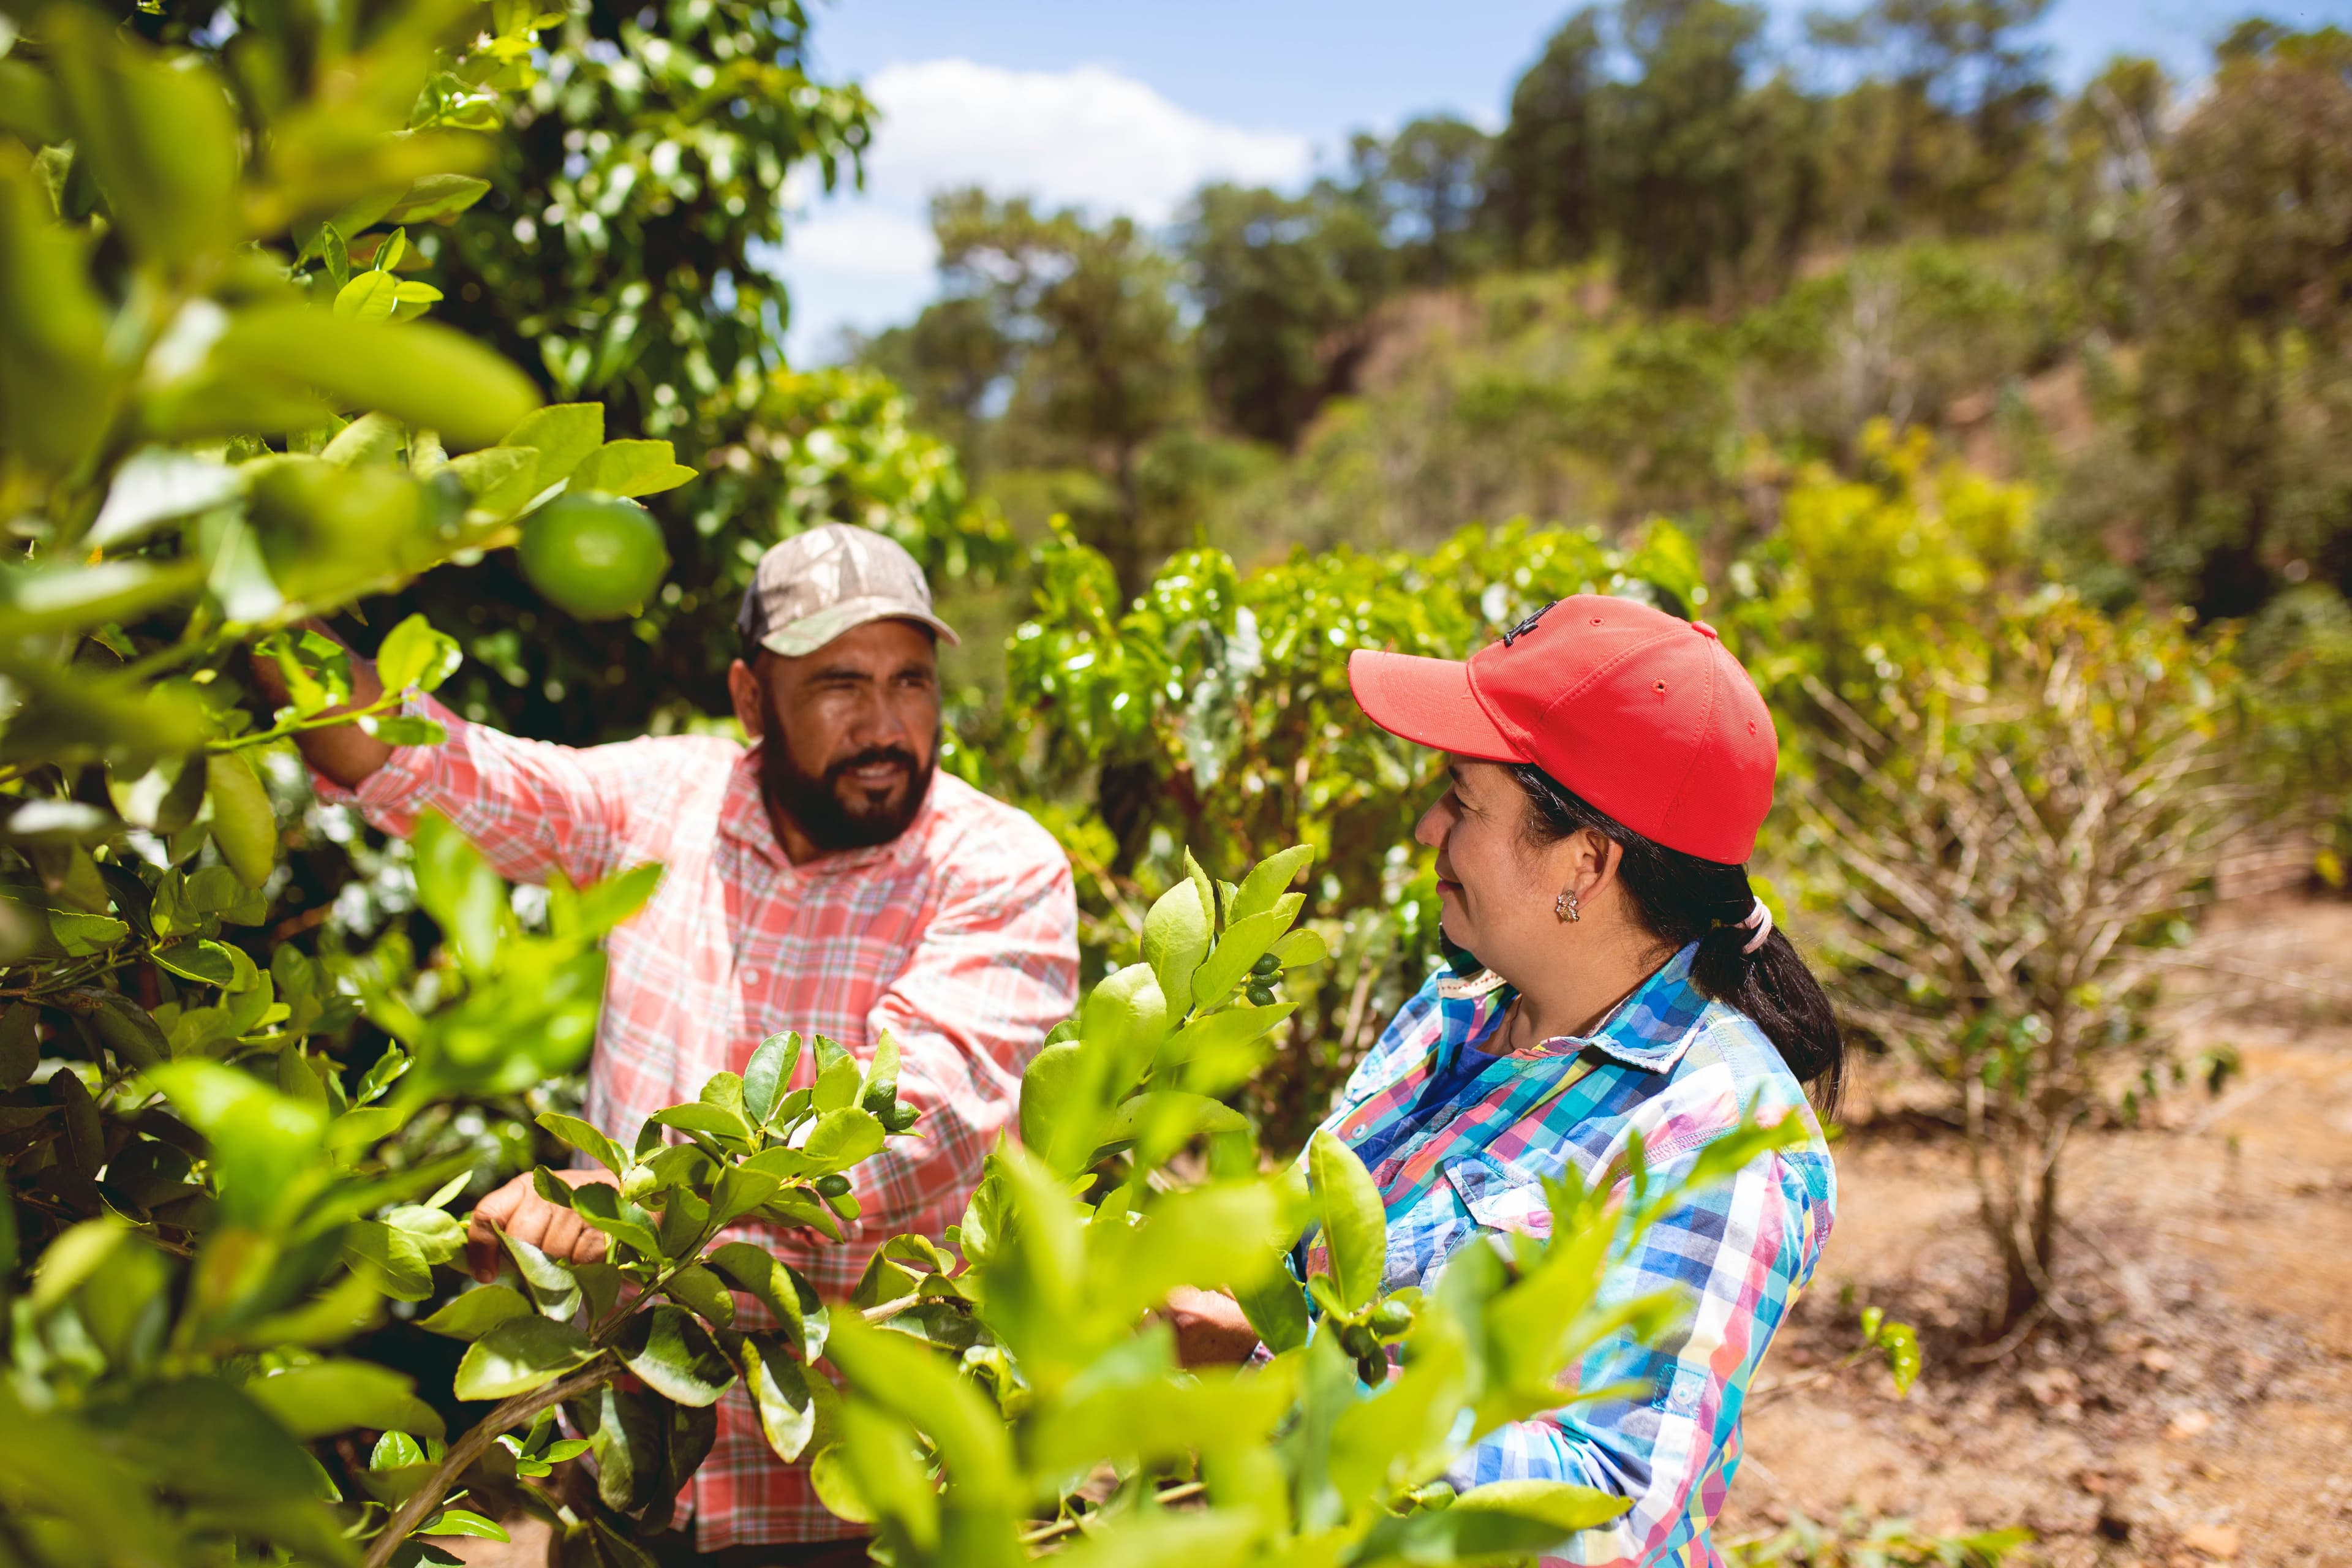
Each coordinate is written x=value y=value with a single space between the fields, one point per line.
x=481 y=1240
x=590 y=1247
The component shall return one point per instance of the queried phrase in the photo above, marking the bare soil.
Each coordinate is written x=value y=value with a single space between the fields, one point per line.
x=2198 y=1405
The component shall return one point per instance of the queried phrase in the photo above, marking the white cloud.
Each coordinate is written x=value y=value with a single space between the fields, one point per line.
x=873 y=241
x=1088 y=138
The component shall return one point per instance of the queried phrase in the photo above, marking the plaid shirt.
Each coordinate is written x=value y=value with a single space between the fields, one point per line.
x=960 y=937
x=1680 y=1068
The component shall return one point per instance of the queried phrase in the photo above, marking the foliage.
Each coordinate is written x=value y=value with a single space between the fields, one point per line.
x=662 y=1306
x=1856 y=1542
x=1022 y=1359
x=1215 y=712
x=2012 y=841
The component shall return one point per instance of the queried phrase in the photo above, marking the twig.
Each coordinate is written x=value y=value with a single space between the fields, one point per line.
x=477 y=1441
x=1062 y=1527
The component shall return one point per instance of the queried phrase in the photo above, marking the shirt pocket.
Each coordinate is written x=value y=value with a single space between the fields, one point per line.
x=1500 y=1196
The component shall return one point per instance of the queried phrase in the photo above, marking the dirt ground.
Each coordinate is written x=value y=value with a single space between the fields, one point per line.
x=2201 y=1409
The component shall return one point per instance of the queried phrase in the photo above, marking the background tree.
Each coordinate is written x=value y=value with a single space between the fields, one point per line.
x=2250 y=299
x=1542 y=179
x=1284 y=285
x=1965 y=94
x=1426 y=186
x=1096 y=351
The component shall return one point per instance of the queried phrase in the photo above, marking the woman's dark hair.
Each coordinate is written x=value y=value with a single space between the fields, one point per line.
x=1680 y=899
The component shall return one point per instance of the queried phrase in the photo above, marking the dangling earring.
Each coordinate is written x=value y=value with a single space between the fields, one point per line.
x=1564 y=906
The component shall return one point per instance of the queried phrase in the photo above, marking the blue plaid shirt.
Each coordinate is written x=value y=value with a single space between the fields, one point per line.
x=1458 y=1142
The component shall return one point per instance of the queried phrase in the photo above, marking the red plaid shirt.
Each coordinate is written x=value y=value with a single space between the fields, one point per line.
x=960 y=937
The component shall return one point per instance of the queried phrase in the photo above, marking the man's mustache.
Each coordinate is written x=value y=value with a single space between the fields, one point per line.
x=868 y=758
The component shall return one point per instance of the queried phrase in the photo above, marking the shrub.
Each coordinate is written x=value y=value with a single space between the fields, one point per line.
x=2014 y=842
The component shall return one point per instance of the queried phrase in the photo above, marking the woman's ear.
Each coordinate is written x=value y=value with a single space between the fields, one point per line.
x=1587 y=863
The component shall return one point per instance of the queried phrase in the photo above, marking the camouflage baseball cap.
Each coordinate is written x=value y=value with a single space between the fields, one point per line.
x=816 y=586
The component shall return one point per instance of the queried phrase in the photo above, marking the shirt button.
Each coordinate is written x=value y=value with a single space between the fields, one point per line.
x=753 y=980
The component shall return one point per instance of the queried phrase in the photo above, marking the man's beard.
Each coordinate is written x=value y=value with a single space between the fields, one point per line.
x=835 y=813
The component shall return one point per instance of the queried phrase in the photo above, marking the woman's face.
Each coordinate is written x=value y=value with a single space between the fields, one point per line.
x=1494 y=884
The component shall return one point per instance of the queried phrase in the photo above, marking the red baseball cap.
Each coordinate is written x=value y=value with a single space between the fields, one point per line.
x=1647 y=717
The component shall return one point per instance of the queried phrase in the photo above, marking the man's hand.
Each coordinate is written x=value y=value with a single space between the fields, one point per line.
x=1211 y=1330
x=521 y=1213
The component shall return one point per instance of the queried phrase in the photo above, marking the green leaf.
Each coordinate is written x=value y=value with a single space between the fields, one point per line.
x=1221 y=1051
x=777 y=1286
x=1125 y=1018
x=1355 y=1223
x=585 y=1138
x=1244 y=943
x=1299 y=949
x=836 y=1079
x=476 y=1312
x=458 y=1521
x=841 y=1139
x=161 y=140
x=458 y=889
x=785 y=1394
x=436 y=196
x=368 y=296
x=602 y=1206
x=563 y=433
x=629 y=1438
x=703 y=1293
x=420 y=373
x=206 y=962
x=414 y=654
x=769 y=1075
x=675 y=1354
x=403 y=730
x=630 y=469
x=390 y=1258
x=878 y=1090
x=1176 y=935
x=326 y=1396
x=719 y=1121
x=1206 y=1538
x=1043 y=1087
x=518 y=1355
x=1267 y=881
x=553 y=1286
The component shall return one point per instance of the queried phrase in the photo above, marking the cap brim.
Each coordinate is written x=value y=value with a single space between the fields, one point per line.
x=1426 y=700
x=810 y=633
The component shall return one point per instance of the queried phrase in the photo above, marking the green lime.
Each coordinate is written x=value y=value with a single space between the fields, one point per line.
x=597 y=556
x=1260 y=994
x=1268 y=964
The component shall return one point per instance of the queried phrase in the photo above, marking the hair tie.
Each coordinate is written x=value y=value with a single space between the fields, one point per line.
x=1760 y=921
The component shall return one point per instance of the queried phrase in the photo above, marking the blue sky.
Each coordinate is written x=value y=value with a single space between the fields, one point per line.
x=1117 y=105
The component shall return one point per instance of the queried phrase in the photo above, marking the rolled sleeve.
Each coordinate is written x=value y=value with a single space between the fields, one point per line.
x=532 y=807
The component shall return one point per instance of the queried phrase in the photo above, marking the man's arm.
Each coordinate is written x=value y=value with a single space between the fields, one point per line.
x=343 y=753
x=533 y=809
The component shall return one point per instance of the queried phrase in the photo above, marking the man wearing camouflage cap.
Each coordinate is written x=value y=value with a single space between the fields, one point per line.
x=825 y=878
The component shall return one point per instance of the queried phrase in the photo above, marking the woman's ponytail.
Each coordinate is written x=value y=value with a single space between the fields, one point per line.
x=1681 y=899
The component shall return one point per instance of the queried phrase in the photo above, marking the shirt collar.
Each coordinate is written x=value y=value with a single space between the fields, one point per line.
x=1649 y=1030
x=743 y=817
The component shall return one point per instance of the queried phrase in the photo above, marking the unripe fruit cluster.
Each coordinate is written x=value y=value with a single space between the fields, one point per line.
x=1262 y=977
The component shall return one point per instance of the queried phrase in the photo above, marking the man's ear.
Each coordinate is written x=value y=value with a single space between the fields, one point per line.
x=743 y=690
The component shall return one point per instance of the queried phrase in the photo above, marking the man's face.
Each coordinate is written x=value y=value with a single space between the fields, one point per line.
x=850 y=733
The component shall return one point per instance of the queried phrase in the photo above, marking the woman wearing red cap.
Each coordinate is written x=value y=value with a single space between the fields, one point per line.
x=1609 y=767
